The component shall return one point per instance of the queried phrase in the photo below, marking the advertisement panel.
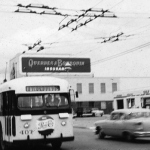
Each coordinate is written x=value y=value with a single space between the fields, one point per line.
x=51 y=64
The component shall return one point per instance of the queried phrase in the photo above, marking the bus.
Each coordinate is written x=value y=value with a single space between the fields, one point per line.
x=36 y=110
x=138 y=98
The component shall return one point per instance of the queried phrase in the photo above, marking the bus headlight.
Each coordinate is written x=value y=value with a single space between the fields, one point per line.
x=26 y=125
x=63 y=123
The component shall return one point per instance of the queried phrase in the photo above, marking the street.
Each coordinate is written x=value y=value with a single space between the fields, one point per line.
x=85 y=139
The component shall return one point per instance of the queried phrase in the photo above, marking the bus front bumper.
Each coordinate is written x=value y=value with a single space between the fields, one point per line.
x=41 y=141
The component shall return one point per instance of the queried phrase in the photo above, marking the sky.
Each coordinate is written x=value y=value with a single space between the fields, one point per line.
x=127 y=57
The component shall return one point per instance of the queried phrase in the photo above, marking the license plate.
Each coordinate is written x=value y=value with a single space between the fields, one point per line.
x=45 y=124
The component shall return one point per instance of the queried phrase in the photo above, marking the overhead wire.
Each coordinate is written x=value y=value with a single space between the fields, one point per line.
x=62 y=37
x=100 y=2
x=96 y=4
x=121 y=54
x=97 y=48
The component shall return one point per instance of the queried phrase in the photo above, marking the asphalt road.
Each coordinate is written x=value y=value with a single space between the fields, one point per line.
x=87 y=122
x=85 y=139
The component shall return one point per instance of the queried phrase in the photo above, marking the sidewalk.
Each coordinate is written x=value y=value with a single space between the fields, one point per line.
x=87 y=122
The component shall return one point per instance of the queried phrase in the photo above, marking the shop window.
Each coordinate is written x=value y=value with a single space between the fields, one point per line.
x=91 y=104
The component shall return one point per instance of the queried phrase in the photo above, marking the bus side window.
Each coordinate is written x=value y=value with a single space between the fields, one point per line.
x=5 y=102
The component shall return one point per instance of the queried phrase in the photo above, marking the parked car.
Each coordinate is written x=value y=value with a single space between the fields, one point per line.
x=89 y=112
x=126 y=123
x=79 y=111
x=97 y=112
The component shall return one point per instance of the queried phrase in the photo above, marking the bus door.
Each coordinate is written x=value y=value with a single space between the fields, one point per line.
x=7 y=105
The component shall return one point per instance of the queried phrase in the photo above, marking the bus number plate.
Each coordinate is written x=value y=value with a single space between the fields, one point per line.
x=26 y=132
x=45 y=124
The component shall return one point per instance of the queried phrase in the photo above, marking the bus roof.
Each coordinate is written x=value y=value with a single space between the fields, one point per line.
x=20 y=84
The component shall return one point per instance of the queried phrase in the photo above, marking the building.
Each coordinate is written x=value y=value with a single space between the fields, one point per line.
x=95 y=91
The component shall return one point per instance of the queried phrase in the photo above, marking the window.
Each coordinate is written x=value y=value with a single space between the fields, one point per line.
x=114 y=87
x=115 y=116
x=30 y=101
x=118 y=116
x=55 y=100
x=40 y=101
x=103 y=88
x=79 y=88
x=131 y=103
x=91 y=87
x=91 y=104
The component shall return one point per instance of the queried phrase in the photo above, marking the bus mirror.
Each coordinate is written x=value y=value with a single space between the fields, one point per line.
x=77 y=94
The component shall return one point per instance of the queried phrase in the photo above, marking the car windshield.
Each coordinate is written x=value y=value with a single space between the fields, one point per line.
x=138 y=115
x=44 y=100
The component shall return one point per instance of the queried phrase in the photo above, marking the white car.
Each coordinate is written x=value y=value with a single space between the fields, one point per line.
x=97 y=112
x=126 y=123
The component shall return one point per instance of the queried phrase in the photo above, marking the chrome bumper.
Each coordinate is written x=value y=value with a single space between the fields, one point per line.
x=141 y=134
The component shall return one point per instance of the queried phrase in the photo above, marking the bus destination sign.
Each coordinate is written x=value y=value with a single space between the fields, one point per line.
x=42 y=88
x=51 y=64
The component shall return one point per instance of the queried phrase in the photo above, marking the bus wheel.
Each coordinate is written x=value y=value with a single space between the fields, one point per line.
x=56 y=145
x=2 y=144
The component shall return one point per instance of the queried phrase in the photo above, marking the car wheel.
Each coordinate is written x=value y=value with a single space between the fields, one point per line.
x=129 y=137
x=93 y=114
x=101 y=135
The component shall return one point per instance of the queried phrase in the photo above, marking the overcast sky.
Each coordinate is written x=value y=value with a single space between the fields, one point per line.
x=127 y=57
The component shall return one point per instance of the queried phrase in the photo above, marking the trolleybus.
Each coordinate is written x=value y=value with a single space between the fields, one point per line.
x=36 y=110
x=138 y=98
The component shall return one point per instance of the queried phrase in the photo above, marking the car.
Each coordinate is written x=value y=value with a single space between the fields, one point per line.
x=89 y=112
x=97 y=112
x=126 y=123
x=79 y=111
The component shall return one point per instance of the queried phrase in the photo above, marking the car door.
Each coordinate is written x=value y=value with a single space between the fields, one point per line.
x=109 y=124
x=118 y=124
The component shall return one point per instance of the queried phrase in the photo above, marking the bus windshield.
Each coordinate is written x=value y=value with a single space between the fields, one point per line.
x=43 y=100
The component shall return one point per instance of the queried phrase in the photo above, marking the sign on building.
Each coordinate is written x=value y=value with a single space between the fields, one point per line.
x=50 y=64
x=26 y=64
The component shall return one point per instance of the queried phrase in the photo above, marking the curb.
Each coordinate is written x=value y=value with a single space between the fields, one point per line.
x=81 y=127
